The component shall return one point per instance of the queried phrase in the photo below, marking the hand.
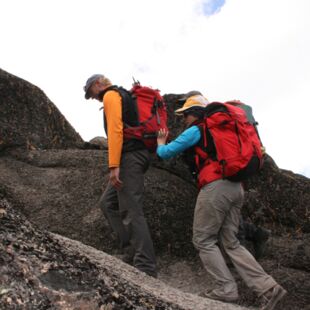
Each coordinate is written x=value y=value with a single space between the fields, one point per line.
x=162 y=136
x=114 y=178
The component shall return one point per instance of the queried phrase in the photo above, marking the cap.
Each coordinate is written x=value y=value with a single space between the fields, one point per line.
x=191 y=102
x=190 y=94
x=89 y=83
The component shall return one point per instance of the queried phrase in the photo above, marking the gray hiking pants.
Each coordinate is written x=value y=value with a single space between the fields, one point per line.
x=124 y=210
x=216 y=219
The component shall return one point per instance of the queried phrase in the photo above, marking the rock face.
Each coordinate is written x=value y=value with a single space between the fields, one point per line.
x=29 y=119
x=101 y=142
x=51 y=190
x=40 y=270
x=278 y=198
x=55 y=179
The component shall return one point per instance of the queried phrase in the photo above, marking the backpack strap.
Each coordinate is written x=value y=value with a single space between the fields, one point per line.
x=206 y=144
x=204 y=150
x=102 y=93
x=129 y=106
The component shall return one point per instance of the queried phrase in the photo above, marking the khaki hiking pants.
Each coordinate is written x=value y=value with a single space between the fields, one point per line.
x=216 y=219
x=124 y=210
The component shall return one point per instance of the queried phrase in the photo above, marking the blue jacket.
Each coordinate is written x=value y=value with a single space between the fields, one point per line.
x=185 y=140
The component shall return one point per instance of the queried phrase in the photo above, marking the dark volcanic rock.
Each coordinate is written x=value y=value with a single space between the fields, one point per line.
x=279 y=199
x=50 y=188
x=39 y=270
x=101 y=142
x=29 y=119
x=56 y=180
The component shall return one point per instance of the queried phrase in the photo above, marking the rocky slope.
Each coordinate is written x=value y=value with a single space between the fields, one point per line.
x=56 y=184
x=40 y=270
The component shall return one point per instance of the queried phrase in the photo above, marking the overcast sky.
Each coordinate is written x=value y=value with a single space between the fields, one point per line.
x=253 y=50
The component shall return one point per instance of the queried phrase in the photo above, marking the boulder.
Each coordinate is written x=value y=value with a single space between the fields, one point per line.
x=28 y=119
x=101 y=142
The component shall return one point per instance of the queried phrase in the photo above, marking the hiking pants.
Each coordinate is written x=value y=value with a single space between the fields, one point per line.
x=124 y=210
x=216 y=219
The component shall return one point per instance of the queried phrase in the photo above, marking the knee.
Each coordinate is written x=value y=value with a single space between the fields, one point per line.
x=230 y=244
x=203 y=241
x=125 y=217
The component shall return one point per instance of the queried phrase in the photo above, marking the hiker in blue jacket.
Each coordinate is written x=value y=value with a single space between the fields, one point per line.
x=247 y=231
x=217 y=216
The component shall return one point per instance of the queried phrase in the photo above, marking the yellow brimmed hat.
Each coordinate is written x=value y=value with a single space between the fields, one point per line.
x=191 y=102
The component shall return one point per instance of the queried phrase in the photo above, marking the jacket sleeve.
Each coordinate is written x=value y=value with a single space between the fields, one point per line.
x=185 y=140
x=113 y=112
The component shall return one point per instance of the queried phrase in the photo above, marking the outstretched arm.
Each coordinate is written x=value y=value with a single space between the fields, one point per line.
x=185 y=140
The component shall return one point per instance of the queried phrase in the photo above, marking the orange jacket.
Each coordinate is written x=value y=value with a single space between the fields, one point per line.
x=113 y=112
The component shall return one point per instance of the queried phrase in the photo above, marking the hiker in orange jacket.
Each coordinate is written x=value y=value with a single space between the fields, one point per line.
x=217 y=215
x=128 y=161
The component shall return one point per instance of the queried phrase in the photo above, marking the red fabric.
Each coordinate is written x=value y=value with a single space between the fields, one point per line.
x=235 y=141
x=152 y=116
x=210 y=172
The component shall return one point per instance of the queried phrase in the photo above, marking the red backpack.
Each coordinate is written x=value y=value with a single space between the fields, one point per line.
x=229 y=139
x=144 y=113
x=249 y=115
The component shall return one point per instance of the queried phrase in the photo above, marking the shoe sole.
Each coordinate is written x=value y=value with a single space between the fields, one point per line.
x=275 y=299
x=224 y=299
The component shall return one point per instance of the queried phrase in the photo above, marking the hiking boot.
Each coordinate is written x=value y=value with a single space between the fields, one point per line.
x=152 y=274
x=126 y=258
x=230 y=297
x=127 y=255
x=273 y=296
x=260 y=239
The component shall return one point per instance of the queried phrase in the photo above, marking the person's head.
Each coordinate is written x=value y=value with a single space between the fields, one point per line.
x=95 y=85
x=193 y=109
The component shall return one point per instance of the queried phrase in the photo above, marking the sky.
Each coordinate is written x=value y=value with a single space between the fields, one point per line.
x=256 y=51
